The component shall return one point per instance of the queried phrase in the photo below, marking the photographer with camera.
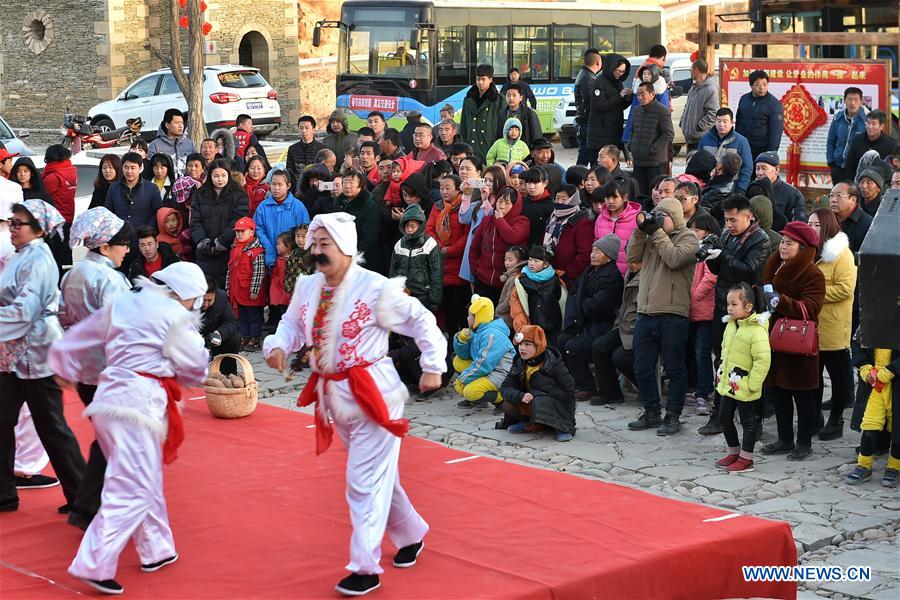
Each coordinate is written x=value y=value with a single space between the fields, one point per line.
x=666 y=249
x=219 y=328
x=738 y=255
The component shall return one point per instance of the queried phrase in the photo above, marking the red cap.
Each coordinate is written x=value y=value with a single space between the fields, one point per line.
x=801 y=232
x=4 y=154
x=245 y=223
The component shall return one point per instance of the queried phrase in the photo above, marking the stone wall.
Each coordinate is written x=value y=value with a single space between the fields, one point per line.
x=35 y=89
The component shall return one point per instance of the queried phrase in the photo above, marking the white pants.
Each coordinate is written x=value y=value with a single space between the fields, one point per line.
x=374 y=494
x=30 y=455
x=132 y=504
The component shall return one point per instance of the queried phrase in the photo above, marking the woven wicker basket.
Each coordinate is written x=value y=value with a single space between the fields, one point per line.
x=231 y=403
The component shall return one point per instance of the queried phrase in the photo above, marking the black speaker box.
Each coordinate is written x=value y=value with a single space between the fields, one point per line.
x=878 y=277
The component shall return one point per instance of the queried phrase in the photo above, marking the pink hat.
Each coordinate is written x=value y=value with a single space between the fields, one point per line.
x=801 y=232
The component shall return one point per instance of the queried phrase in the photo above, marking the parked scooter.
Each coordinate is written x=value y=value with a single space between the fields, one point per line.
x=78 y=133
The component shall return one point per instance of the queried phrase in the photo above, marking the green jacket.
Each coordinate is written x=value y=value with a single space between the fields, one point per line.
x=479 y=123
x=746 y=358
x=418 y=258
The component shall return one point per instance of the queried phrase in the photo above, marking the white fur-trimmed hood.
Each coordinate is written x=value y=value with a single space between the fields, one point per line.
x=761 y=318
x=833 y=248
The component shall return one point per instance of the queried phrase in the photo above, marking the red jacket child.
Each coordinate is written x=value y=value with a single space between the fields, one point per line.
x=245 y=281
x=277 y=294
x=61 y=179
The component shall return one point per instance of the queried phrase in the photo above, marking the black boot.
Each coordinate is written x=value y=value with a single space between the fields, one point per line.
x=712 y=426
x=833 y=430
x=647 y=420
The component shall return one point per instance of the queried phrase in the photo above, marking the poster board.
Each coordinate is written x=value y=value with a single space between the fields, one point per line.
x=826 y=80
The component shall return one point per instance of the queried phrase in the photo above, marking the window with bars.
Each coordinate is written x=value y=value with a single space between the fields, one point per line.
x=491 y=48
x=569 y=44
x=531 y=52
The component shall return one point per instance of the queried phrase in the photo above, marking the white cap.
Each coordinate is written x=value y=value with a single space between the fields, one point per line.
x=185 y=279
x=340 y=226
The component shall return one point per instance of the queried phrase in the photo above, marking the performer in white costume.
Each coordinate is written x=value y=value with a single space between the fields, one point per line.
x=89 y=286
x=152 y=345
x=345 y=313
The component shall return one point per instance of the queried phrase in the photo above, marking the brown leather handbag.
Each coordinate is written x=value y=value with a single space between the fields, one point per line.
x=795 y=336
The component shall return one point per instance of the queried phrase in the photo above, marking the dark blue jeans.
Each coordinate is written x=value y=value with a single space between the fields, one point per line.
x=702 y=333
x=654 y=335
x=584 y=157
x=250 y=319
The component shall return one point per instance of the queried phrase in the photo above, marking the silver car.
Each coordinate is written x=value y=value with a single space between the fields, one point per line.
x=12 y=141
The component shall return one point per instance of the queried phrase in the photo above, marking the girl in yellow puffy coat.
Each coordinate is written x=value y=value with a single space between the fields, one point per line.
x=746 y=357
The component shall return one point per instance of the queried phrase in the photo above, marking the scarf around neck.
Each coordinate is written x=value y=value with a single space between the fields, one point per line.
x=442 y=227
x=559 y=218
x=540 y=276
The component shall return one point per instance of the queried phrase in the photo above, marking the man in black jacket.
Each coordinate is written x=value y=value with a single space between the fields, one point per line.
x=219 y=328
x=155 y=255
x=304 y=151
x=515 y=78
x=651 y=136
x=584 y=84
x=788 y=200
x=874 y=138
x=609 y=99
x=742 y=256
x=760 y=116
x=610 y=157
x=720 y=186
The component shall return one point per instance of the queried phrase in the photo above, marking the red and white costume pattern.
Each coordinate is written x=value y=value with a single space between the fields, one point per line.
x=362 y=312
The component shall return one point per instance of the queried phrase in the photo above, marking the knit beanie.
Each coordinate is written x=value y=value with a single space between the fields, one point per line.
x=533 y=334
x=876 y=177
x=609 y=245
x=770 y=158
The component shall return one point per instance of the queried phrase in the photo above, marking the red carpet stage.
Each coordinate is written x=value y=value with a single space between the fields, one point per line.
x=257 y=515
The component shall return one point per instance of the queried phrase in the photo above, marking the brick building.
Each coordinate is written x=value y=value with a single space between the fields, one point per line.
x=56 y=54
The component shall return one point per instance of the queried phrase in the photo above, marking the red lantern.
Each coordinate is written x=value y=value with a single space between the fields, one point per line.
x=207 y=27
x=202 y=6
x=182 y=3
x=183 y=21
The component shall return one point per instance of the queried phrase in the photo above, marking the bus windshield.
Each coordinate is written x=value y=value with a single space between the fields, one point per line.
x=378 y=43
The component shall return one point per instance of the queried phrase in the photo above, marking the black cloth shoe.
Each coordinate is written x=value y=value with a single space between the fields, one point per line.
x=470 y=403
x=357 y=584
x=799 y=453
x=826 y=404
x=36 y=482
x=779 y=447
x=670 y=426
x=712 y=427
x=647 y=420
x=9 y=505
x=79 y=519
x=64 y=509
x=598 y=401
x=832 y=430
x=158 y=565
x=107 y=586
x=406 y=556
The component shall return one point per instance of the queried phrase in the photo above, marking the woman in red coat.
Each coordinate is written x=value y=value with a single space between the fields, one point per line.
x=794 y=378
x=60 y=179
x=443 y=225
x=255 y=182
x=506 y=227
x=569 y=234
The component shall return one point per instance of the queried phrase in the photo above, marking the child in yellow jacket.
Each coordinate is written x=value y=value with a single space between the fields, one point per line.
x=746 y=358
x=877 y=369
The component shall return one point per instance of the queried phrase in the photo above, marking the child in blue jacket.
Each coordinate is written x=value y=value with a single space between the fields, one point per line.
x=484 y=354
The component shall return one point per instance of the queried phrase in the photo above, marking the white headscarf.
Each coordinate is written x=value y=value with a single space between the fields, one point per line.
x=340 y=226
x=186 y=280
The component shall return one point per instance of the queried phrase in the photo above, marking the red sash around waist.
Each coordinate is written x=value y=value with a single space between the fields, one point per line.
x=175 y=434
x=366 y=394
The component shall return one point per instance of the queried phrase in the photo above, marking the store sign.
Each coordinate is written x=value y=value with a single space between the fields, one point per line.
x=369 y=103
x=825 y=81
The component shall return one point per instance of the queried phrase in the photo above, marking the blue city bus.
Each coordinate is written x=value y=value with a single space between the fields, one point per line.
x=398 y=56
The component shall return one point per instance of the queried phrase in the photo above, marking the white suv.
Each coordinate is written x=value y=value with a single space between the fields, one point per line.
x=228 y=91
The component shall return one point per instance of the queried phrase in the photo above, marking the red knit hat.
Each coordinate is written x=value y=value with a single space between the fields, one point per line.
x=801 y=232
x=245 y=223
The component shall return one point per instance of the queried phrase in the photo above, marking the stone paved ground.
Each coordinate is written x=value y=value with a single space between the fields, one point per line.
x=833 y=523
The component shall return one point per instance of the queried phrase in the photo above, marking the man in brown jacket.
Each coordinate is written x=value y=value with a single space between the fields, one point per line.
x=666 y=249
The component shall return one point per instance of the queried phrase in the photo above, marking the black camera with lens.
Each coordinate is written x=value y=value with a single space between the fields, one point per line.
x=652 y=216
x=707 y=245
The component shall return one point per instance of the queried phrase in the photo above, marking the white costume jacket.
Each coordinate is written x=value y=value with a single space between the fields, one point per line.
x=91 y=284
x=365 y=308
x=144 y=332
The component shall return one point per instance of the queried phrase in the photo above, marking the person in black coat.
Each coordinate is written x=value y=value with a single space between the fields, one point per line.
x=215 y=207
x=591 y=312
x=315 y=200
x=584 y=86
x=153 y=255
x=542 y=398
x=609 y=99
x=652 y=135
x=760 y=116
x=874 y=138
x=303 y=152
x=31 y=182
x=219 y=328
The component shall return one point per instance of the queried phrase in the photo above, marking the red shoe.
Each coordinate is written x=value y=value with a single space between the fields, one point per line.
x=724 y=463
x=741 y=465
